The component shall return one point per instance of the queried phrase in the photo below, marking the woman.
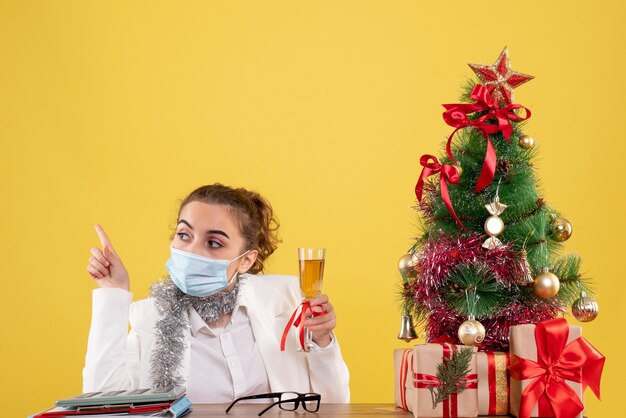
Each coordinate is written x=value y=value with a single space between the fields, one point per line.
x=210 y=325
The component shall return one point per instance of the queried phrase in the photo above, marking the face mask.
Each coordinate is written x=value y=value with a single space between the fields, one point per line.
x=199 y=276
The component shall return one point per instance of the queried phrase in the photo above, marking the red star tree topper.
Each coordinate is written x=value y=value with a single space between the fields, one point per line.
x=499 y=78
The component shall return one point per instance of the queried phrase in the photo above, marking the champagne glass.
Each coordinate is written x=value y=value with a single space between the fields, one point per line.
x=311 y=278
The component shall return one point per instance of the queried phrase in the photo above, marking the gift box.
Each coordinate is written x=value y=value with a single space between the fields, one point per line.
x=493 y=383
x=416 y=371
x=403 y=376
x=551 y=366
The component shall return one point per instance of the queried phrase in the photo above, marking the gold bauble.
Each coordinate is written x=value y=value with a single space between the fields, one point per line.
x=405 y=263
x=459 y=169
x=585 y=308
x=526 y=141
x=415 y=258
x=546 y=285
x=471 y=332
x=561 y=229
x=494 y=226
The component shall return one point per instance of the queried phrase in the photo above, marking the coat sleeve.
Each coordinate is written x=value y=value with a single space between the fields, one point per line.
x=329 y=373
x=113 y=359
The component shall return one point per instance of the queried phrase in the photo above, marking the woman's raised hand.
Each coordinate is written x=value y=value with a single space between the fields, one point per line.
x=105 y=266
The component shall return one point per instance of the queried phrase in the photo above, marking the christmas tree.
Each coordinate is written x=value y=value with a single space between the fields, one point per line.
x=488 y=255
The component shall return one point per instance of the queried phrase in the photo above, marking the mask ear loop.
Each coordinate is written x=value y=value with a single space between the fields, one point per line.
x=232 y=279
x=238 y=257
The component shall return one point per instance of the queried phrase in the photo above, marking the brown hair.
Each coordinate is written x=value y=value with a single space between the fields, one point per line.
x=254 y=214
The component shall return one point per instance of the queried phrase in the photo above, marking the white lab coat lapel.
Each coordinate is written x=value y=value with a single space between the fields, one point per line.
x=269 y=313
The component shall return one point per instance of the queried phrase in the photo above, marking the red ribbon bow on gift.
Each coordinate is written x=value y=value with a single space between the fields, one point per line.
x=456 y=116
x=297 y=320
x=556 y=362
x=447 y=174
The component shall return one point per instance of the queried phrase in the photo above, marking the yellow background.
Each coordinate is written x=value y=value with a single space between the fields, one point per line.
x=111 y=112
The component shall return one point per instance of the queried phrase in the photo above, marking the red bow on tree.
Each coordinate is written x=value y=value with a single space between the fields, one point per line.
x=447 y=174
x=556 y=362
x=456 y=116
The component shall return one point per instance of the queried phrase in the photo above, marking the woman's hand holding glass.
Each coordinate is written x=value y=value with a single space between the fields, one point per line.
x=105 y=265
x=321 y=326
x=320 y=319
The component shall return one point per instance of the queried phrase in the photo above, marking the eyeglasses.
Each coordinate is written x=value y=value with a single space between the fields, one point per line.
x=287 y=401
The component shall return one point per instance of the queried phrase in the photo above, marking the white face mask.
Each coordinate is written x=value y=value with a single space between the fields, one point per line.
x=199 y=276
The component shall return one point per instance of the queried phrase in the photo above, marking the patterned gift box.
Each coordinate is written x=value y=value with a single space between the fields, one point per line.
x=493 y=383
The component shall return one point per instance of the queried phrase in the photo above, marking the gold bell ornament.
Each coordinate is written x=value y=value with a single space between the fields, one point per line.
x=407 y=330
x=585 y=308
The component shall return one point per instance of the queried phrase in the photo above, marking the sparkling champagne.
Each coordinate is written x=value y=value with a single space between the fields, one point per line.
x=311 y=278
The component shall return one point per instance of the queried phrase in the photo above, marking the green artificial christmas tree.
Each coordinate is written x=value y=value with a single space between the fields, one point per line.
x=488 y=255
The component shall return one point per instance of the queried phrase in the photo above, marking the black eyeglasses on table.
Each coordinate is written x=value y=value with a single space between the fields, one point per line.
x=287 y=401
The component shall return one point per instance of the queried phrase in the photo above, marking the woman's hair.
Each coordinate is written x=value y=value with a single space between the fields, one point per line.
x=253 y=213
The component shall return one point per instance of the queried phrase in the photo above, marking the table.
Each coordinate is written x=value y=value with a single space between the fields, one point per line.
x=326 y=410
x=354 y=410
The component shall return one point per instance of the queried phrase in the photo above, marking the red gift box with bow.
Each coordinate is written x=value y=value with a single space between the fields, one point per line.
x=551 y=366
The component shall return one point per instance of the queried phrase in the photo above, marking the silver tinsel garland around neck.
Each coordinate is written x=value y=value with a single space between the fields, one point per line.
x=173 y=306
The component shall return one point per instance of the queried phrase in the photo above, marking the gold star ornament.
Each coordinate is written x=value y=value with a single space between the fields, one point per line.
x=500 y=79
